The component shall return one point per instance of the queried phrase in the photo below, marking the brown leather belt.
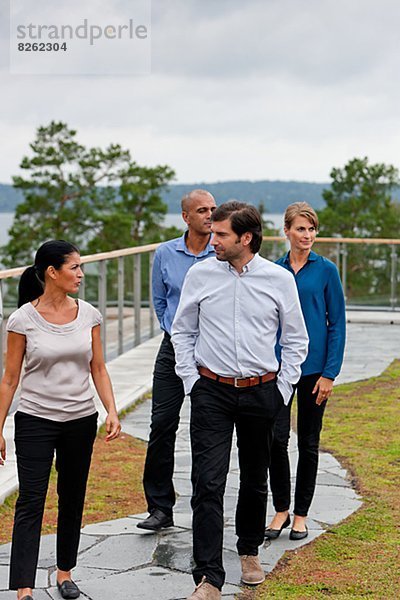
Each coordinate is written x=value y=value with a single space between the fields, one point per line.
x=238 y=382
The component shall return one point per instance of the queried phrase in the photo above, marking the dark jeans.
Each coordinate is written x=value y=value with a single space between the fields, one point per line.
x=309 y=425
x=168 y=396
x=36 y=439
x=216 y=408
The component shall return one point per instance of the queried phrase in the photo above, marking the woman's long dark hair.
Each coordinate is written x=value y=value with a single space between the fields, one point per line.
x=50 y=254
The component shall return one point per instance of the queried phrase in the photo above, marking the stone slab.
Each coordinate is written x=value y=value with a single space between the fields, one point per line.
x=85 y=574
x=120 y=552
x=47 y=551
x=329 y=479
x=175 y=552
x=144 y=584
x=330 y=515
x=182 y=484
x=41 y=578
x=339 y=492
x=39 y=595
x=117 y=527
x=271 y=552
x=183 y=520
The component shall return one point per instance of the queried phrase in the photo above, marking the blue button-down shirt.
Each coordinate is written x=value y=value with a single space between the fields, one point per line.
x=171 y=263
x=323 y=306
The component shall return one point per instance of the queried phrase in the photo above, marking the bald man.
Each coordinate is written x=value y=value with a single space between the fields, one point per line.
x=172 y=261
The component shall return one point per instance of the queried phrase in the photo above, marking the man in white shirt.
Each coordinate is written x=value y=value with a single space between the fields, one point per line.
x=224 y=337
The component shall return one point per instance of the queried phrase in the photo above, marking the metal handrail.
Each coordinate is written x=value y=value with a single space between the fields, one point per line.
x=102 y=259
x=88 y=258
x=341 y=255
x=16 y=271
x=340 y=240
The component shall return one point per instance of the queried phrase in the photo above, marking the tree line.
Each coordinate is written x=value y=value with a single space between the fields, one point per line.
x=101 y=199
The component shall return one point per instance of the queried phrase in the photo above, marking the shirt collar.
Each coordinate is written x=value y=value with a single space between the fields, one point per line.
x=312 y=257
x=182 y=247
x=250 y=266
x=181 y=243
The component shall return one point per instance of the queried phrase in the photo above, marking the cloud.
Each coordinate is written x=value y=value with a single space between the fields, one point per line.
x=314 y=41
x=257 y=89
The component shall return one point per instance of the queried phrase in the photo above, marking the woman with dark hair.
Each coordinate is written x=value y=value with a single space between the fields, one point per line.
x=59 y=338
x=323 y=306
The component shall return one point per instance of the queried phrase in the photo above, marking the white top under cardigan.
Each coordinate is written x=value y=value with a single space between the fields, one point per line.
x=55 y=384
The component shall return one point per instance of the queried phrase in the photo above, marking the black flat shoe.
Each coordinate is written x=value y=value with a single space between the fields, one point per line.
x=298 y=535
x=156 y=520
x=273 y=534
x=68 y=589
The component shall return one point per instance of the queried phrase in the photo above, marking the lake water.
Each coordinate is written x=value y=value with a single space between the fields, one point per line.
x=276 y=220
x=6 y=220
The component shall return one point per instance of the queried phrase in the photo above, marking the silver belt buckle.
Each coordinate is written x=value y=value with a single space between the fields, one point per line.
x=236 y=381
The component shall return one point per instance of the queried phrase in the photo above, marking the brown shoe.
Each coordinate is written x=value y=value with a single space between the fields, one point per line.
x=252 y=571
x=205 y=591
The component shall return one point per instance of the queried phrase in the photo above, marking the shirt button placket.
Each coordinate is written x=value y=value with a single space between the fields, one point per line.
x=237 y=323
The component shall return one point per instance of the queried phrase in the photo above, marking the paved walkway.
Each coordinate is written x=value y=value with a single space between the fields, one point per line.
x=121 y=562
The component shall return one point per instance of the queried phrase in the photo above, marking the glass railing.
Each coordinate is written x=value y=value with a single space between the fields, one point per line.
x=119 y=284
x=368 y=268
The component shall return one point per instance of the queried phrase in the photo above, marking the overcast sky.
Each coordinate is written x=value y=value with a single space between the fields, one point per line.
x=238 y=89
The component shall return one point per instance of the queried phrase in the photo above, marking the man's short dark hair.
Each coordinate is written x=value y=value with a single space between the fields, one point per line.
x=244 y=218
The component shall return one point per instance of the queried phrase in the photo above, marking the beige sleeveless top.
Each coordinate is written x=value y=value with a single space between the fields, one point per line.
x=55 y=384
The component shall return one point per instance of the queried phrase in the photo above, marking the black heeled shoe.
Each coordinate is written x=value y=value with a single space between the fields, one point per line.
x=298 y=535
x=273 y=534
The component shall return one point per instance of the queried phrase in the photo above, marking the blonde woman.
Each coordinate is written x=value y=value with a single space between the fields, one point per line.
x=323 y=306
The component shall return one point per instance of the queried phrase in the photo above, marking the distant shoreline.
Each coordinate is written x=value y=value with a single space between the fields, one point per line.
x=171 y=219
x=273 y=195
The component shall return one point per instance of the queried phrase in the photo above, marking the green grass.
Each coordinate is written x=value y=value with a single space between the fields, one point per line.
x=359 y=558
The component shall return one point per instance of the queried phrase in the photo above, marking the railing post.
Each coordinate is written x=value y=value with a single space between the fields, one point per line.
x=120 y=305
x=338 y=251
x=137 y=295
x=82 y=289
x=393 y=277
x=151 y=306
x=103 y=301
x=274 y=251
x=344 y=270
x=1 y=328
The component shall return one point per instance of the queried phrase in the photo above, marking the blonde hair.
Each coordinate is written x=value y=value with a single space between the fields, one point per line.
x=300 y=209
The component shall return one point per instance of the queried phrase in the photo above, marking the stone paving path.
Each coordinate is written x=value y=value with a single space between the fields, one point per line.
x=118 y=561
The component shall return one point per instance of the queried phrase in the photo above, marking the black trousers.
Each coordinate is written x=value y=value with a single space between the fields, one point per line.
x=36 y=439
x=168 y=396
x=216 y=408
x=309 y=425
